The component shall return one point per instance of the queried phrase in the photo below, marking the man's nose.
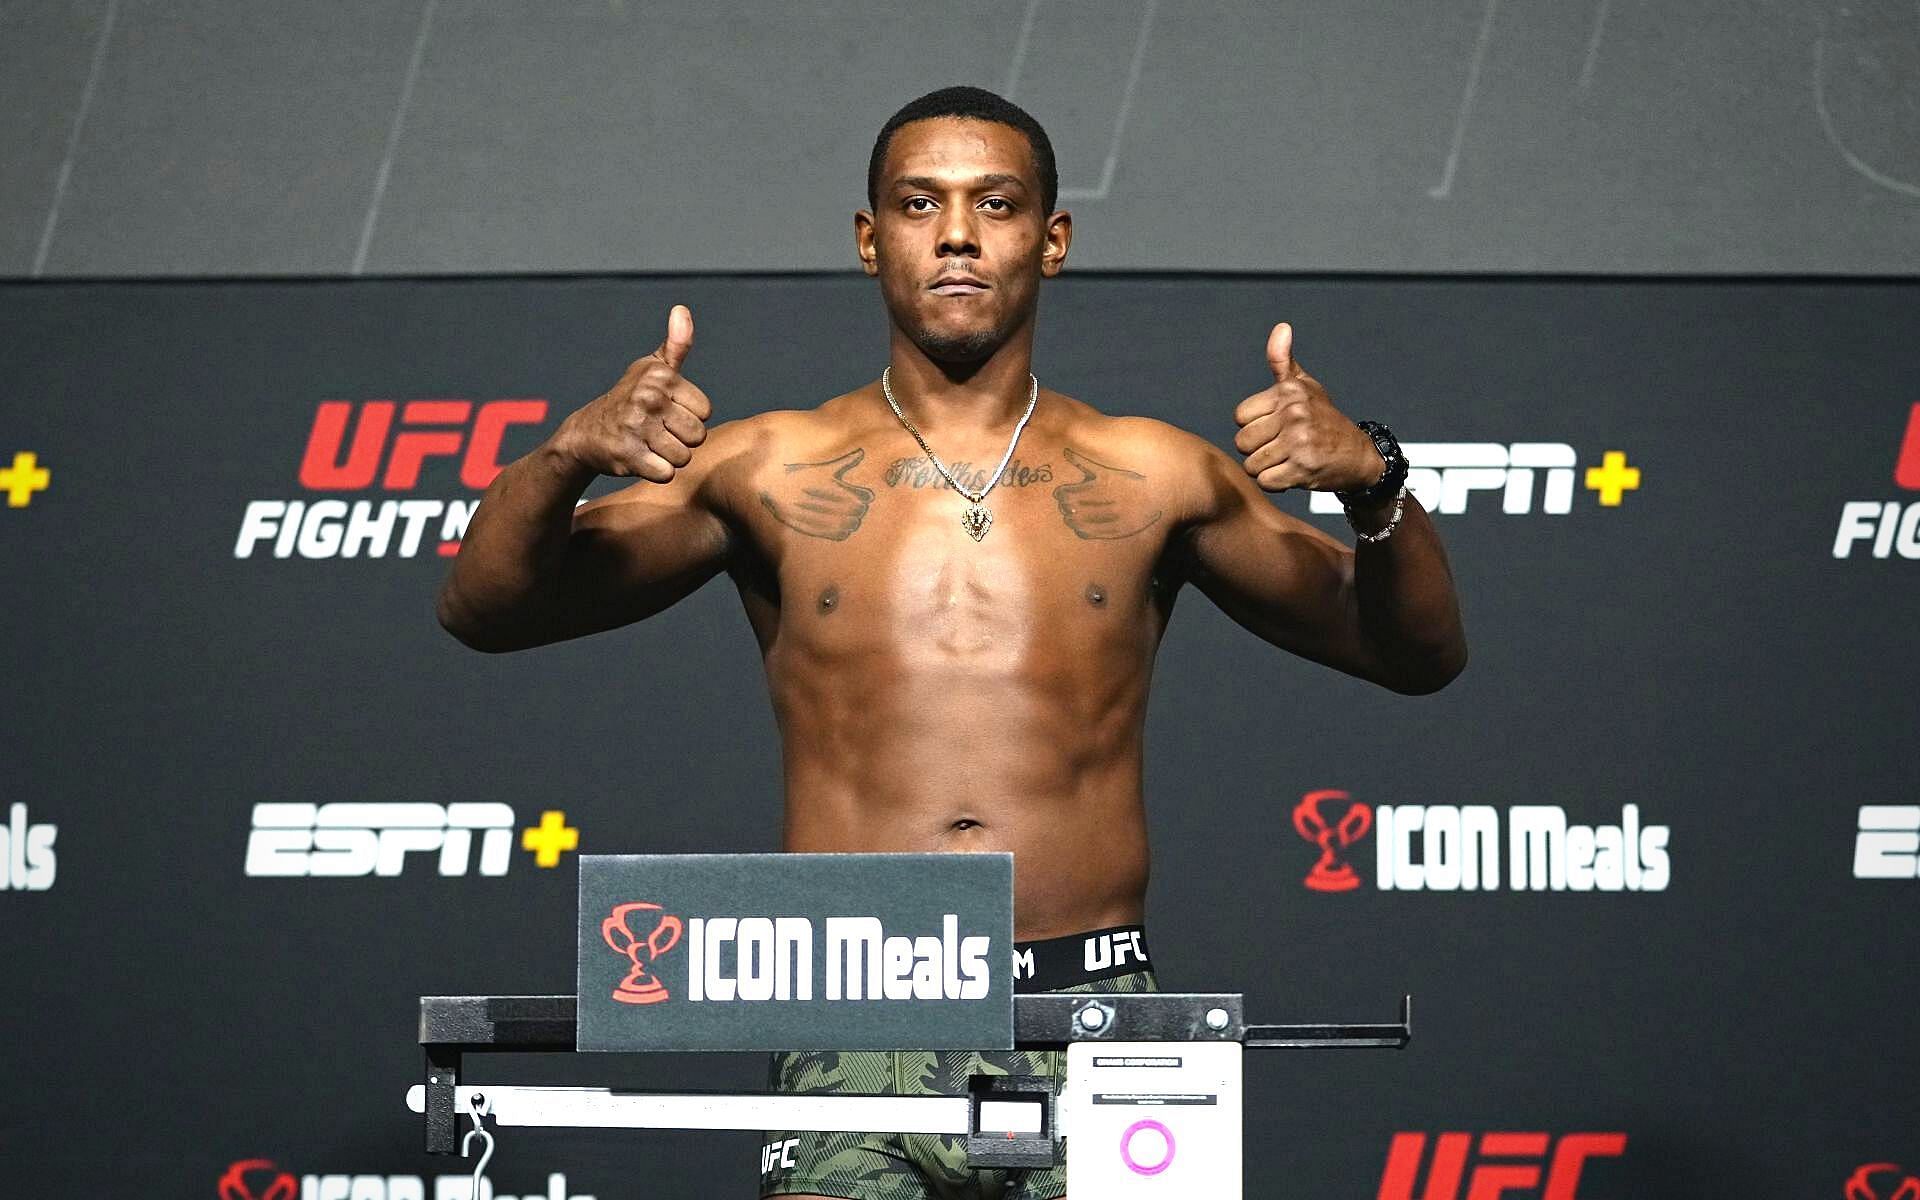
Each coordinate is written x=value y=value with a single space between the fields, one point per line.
x=956 y=233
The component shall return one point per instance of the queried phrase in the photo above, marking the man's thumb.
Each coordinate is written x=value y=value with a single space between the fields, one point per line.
x=679 y=341
x=1280 y=350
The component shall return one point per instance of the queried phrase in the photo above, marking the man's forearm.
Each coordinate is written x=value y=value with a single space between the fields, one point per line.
x=514 y=543
x=1408 y=610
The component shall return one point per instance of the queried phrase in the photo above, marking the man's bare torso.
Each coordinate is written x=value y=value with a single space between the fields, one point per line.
x=938 y=693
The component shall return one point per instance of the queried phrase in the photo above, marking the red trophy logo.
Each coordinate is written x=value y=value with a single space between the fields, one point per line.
x=1889 y=1186
x=1332 y=873
x=640 y=986
x=279 y=1185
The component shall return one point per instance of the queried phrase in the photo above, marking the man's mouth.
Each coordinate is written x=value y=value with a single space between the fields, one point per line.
x=957 y=285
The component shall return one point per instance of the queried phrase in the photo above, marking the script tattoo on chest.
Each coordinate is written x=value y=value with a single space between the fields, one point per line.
x=1106 y=501
x=919 y=473
x=815 y=498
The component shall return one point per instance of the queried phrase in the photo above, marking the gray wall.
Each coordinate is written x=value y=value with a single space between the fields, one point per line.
x=193 y=137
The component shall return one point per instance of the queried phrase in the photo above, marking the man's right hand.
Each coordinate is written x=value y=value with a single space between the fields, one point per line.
x=646 y=423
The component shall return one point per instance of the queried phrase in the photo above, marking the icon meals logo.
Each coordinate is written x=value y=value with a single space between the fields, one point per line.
x=261 y=1179
x=26 y=852
x=257 y=1179
x=1332 y=873
x=640 y=986
x=771 y=958
x=1448 y=848
x=1882 y=1181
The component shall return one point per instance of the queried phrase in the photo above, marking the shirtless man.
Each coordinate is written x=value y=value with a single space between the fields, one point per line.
x=940 y=686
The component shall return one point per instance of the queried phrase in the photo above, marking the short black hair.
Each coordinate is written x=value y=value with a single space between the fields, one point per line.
x=976 y=104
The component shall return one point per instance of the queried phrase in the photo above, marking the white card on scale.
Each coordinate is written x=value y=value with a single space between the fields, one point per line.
x=1152 y=1119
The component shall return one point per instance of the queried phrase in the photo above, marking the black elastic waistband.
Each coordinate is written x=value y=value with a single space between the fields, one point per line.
x=1062 y=962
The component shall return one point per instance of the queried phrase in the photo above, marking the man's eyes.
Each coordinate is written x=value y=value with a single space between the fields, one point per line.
x=1005 y=205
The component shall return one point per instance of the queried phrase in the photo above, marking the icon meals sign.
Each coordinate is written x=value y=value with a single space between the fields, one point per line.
x=795 y=951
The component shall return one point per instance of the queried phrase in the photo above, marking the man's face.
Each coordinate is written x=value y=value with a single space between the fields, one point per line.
x=958 y=239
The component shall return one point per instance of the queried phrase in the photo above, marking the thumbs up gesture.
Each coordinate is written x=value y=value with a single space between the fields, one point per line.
x=646 y=424
x=1293 y=436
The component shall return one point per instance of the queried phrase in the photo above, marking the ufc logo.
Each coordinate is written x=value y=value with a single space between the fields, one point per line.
x=1448 y=1176
x=1112 y=950
x=777 y=1154
x=428 y=429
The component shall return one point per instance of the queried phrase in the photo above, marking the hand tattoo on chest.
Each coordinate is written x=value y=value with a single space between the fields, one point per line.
x=815 y=498
x=1106 y=501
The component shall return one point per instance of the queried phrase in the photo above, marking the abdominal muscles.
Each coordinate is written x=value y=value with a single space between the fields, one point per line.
x=979 y=707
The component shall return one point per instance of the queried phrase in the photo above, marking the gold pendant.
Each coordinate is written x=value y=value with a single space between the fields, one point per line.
x=977 y=520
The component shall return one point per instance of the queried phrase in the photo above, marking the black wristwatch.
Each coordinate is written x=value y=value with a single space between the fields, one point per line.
x=1390 y=481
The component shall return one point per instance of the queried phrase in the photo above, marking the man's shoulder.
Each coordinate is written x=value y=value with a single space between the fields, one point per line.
x=1147 y=439
x=738 y=450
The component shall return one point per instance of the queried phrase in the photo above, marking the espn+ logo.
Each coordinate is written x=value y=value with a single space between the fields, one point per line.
x=1888 y=844
x=352 y=839
x=1443 y=476
x=1501 y=1164
x=391 y=443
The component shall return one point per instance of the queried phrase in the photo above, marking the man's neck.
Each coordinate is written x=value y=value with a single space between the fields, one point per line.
x=991 y=394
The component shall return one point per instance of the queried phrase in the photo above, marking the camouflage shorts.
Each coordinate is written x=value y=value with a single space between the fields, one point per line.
x=900 y=1166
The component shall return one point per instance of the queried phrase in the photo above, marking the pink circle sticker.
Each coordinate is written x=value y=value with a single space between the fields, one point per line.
x=1126 y=1148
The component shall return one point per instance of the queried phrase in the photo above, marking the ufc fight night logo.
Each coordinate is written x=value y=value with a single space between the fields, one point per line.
x=1499 y=1165
x=385 y=454
x=1887 y=527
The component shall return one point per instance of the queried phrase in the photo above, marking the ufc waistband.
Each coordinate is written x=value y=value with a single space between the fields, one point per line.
x=1062 y=962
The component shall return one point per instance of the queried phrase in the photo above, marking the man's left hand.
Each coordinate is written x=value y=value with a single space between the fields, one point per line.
x=1293 y=436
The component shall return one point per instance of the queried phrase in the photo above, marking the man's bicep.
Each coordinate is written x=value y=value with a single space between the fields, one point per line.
x=634 y=553
x=1274 y=574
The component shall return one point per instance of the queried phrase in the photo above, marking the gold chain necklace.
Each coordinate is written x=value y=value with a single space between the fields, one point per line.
x=977 y=518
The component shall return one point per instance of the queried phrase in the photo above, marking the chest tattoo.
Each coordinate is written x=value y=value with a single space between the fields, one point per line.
x=1104 y=501
x=815 y=498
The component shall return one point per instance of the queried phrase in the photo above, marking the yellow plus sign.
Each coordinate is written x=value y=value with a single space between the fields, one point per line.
x=1612 y=478
x=23 y=479
x=549 y=838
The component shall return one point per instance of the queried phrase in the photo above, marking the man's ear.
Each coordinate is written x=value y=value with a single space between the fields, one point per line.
x=1053 y=255
x=863 y=243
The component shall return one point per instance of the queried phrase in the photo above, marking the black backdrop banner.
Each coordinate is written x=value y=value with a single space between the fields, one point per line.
x=1648 y=867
